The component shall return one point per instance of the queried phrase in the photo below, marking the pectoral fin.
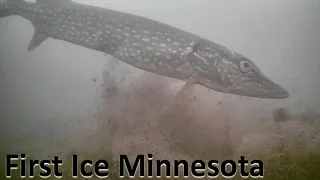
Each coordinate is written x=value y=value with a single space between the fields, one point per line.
x=178 y=91
x=38 y=37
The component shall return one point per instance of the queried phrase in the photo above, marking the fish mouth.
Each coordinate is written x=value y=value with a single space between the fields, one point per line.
x=250 y=86
x=259 y=87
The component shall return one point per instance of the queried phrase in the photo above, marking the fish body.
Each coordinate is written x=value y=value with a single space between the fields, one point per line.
x=145 y=44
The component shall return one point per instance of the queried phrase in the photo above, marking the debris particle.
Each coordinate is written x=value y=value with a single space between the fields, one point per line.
x=280 y=115
x=94 y=79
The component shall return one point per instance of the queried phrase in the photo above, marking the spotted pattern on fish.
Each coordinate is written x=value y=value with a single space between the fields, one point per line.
x=146 y=44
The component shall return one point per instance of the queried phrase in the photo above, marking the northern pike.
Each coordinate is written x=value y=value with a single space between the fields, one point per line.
x=145 y=44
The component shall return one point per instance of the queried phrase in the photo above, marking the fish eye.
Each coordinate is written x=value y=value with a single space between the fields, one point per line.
x=245 y=66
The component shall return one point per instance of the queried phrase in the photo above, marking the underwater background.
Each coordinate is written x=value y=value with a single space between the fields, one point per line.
x=61 y=99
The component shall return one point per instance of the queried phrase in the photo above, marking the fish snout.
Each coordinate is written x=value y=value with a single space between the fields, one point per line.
x=260 y=87
x=273 y=90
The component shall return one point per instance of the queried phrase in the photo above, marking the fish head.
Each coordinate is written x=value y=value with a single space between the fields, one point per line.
x=226 y=71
